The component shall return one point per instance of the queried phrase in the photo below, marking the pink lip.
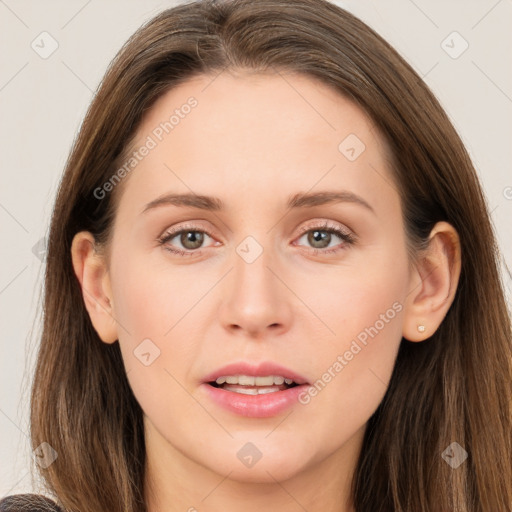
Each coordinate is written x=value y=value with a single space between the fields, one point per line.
x=256 y=370
x=255 y=406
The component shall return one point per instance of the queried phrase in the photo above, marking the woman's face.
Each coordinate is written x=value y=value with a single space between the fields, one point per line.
x=258 y=275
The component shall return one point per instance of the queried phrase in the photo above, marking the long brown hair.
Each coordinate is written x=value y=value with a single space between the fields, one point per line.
x=455 y=387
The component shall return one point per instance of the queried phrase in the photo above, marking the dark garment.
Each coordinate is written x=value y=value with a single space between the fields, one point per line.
x=28 y=503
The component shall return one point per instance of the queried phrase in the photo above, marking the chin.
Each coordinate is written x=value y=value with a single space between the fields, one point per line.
x=265 y=473
x=261 y=461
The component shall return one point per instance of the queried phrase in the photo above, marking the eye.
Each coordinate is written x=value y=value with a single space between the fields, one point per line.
x=323 y=236
x=191 y=239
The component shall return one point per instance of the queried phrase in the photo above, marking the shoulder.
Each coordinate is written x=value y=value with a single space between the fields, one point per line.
x=28 y=503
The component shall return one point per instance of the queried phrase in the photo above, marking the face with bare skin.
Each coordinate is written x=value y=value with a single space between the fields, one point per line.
x=288 y=249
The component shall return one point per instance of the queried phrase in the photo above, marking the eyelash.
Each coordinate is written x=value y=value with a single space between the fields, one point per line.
x=347 y=238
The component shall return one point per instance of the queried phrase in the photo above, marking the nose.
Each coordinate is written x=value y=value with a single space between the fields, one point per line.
x=256 y=300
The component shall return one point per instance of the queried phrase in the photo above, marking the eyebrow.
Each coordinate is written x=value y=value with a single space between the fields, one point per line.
x=300 y=200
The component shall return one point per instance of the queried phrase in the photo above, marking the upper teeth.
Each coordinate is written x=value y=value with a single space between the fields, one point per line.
x=248 y=380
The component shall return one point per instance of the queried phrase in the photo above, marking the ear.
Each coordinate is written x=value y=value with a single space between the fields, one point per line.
x=91 y=270
x=433 y=283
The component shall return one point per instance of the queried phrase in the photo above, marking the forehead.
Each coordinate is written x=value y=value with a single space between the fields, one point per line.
x=247 y=132
x=238 y=105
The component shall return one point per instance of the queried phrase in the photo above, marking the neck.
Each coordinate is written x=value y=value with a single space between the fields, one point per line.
x=176 y=483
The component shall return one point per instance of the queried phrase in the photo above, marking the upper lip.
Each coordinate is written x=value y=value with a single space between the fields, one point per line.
x=256 y=370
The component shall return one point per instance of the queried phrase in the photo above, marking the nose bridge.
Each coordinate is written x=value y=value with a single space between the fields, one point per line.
x=251 y=265
x=253 y=297
x=252 y=278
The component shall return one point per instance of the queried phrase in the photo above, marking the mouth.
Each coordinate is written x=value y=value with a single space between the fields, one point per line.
x=254 y=390
x=249 y=385
x=255 y=401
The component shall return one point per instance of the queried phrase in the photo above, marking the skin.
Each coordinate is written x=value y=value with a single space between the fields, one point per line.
x=252 y=141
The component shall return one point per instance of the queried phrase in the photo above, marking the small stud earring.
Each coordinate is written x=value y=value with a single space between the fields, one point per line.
x=421 y=328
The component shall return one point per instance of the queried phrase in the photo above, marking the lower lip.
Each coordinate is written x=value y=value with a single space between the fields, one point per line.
x=255 y=406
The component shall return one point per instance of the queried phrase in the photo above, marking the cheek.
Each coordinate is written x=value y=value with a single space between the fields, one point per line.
x=355 y=355
x=158 y=308
x=151 y=297
x=148 y=306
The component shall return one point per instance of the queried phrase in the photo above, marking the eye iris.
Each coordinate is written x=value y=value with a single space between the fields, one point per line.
x=195 y=238
x=319 y=236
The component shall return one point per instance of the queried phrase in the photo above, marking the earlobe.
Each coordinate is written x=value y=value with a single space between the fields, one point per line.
x=91 y=271
x=433 y=283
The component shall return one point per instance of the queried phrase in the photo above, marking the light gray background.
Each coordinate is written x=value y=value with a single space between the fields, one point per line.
x=42 y=102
